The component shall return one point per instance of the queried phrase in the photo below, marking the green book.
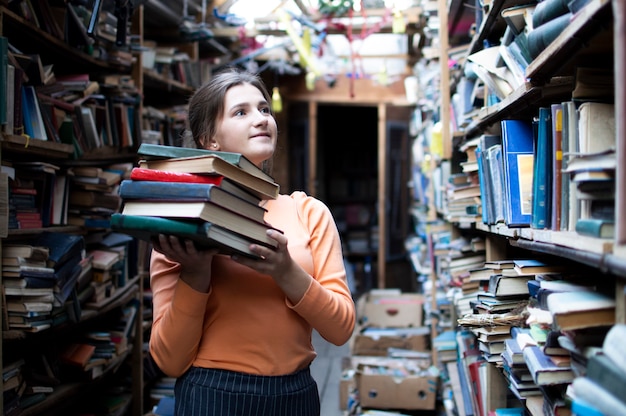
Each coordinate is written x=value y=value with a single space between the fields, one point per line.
x=150 y=151
x=204 y=234
x=595 y=227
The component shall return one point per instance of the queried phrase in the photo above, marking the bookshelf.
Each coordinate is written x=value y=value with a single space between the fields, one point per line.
x=121 y=74
x=592 y=38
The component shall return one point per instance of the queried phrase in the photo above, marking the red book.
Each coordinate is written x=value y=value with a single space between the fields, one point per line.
x=142 y=174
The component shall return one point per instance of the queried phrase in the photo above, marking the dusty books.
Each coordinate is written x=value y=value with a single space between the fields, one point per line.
x=139 y=174
x=205 y=234
x=203 y=211
x=154 y=152
x=171 y=191
x=585 y=309
x=214 y=165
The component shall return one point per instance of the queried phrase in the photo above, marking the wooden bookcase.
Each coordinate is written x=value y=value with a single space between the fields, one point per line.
x=596 y=34
x=65 y=59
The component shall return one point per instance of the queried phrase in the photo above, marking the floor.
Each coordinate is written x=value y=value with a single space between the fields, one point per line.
x=326 y=369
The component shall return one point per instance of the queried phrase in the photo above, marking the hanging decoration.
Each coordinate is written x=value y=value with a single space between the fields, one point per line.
x=277 y=101
x=307 y=59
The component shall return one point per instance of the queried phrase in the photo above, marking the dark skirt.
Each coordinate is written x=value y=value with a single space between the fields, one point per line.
x=212 y=392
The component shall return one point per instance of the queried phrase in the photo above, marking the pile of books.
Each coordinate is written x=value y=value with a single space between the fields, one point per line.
x=212 y=198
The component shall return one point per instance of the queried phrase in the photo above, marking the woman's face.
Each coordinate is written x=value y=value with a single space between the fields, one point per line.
x=247 y=126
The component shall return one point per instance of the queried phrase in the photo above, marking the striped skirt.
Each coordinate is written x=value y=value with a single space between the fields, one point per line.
x=213 y=392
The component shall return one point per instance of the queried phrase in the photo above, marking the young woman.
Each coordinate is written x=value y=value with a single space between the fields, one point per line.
x=236 y=331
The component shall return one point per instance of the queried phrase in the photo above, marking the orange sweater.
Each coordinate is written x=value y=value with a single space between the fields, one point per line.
x=245 y=323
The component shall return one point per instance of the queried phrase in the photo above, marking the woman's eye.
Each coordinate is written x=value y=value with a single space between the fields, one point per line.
x=266 y=110
x=240 y=113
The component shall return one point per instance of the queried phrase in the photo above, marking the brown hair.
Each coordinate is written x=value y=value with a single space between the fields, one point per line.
x=206 y=106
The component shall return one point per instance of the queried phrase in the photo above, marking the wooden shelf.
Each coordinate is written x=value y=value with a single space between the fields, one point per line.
x=521 y=103
x=153 y=79
x=66 y=59
x=71 y=391
x=36 y=147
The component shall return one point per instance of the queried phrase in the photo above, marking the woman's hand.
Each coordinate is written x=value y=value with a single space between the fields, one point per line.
x=278 y=264
x=195 y=264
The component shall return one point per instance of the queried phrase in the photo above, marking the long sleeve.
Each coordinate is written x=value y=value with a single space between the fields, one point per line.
x=328 y=304
x=245 y=323
x=178 y=311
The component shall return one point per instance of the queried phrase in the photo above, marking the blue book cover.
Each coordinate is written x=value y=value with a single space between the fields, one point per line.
x=544 y=370
x=172 y=191
x=63 y=247
x=484 y=197
x=486 y=143
x=518 y=159
x=542 y=178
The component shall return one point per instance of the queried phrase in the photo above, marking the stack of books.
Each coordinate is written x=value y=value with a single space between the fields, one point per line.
x=212 y=198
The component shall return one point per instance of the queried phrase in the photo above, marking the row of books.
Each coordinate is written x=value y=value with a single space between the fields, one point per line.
x=530 y=27
x=212 y=198
x=83 y=358
x=555 y=173
x=43 y=194
x=86 y=113
x=89 y=30
x=44 y=287
x=541 y=324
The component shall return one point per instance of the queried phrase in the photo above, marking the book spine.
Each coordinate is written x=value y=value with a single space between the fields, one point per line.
x=130 y=189
x=557 y=165
x=141 y=174
x=542 y=171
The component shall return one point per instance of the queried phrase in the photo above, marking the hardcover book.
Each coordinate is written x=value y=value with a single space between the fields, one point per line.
x=543 y=370
x=170 y=191
x=542 y=172
x=508 y=286
x=518 y=150
x=62 y=246
x=577 y=310
x=203 y=211
x=557 y=165
x=139 y=174
x=596 y=127
x=154 y=151
x=214 y=165
x=205 y=234
x=595 y=227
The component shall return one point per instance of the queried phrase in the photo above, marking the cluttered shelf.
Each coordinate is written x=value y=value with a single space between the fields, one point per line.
x=576 y=36
x=71 y=391
x=23 y=144
x=520 y=101
x=155 y=80
x=120 y=297
x=56 y=49
x=492 y=23
x=594 y=252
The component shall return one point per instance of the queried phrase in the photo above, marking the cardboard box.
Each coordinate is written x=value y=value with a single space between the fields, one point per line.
x=377 y=341
x=390 y=309
x=390 y=391
x=347 y=387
